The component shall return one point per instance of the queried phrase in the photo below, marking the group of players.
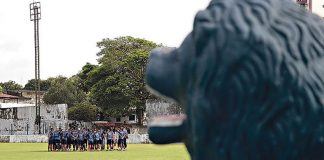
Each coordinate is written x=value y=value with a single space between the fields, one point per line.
x=87 y=139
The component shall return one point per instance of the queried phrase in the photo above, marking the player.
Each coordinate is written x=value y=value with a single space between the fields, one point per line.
x=120 y=139
x=64 y=140
x=81 y=139
x=90 y=140
x=75 y=139
x=50 y=140
x=110 y=139
x=125 y=139
x=69 y=139
x=57 y=140
x=85 y=141
x=97 y=139
x=101 y=139
x=116 y=137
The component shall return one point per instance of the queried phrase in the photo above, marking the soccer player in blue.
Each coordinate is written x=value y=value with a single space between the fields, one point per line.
x=57 y=140
x=75 y=139
x=90 y=140
x=81 y=139
x=69 y=139
x=116 y=137
x=120 y=139
x=97 y=139
x=50 y=140
x=64 y=140
x=85 y=141
x=101 y=139
x=125 y=133
x=110 y=139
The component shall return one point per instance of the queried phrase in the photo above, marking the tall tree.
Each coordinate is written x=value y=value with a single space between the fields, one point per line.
x=134 y=76
x=84 y=82
x=44 y=85
x=63 y=90
x=107 y=93
x=11 y=85
x=118 y=81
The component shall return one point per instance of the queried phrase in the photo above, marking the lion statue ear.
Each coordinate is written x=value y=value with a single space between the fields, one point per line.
x=204 y=29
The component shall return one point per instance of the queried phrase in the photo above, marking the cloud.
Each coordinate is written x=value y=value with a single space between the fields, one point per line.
x=9 y=46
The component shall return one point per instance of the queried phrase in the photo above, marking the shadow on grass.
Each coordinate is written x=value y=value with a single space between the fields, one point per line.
x=43 y=151
x=40 y=151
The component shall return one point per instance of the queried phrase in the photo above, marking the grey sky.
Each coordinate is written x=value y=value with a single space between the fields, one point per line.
x=69 y=30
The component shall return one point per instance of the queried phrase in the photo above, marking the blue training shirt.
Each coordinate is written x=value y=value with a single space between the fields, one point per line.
x=65 y=135
x=110 y=135
x=90 y=137
x=81 y=136
x=50 y=135
x=57 y=135
x=97 y=136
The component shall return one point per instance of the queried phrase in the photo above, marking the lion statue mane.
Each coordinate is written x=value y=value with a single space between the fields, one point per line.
x=251 y=78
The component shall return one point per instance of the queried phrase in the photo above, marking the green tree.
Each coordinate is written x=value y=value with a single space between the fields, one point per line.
x=85 y=82
x=11 y=85
x=135 y=84
x=107 y=93
x=84 y=111
x=1 y=89
x=63 y=90
x=118 y=81
x=44 y=85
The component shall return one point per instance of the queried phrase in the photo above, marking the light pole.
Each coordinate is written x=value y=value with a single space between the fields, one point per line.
x=35 y=15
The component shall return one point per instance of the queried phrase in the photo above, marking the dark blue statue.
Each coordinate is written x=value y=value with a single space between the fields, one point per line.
x=251 y=78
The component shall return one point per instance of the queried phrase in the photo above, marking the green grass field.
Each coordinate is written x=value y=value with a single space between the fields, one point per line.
x=38 y=151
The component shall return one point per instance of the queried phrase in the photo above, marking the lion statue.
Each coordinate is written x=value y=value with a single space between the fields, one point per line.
x=251 y=78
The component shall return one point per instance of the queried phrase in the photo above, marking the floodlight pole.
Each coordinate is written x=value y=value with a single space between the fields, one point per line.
x=35 y=15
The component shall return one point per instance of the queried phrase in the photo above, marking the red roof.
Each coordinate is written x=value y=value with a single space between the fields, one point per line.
x=2 y=96
x=103 y=124
x=110 y=124
x=7 y=96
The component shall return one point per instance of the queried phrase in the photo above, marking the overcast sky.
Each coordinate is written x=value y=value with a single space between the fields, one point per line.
x=69 y=30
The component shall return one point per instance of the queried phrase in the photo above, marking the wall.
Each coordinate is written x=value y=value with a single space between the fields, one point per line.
x=161 y=107
x=122 y=120
x=11 y=101
x=79 y=124
x=20 y=120
x=137 y=129
x=31 y=94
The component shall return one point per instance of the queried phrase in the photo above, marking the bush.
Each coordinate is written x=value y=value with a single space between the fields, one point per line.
x=84 y=111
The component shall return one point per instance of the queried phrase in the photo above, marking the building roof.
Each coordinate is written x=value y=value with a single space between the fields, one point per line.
x=15 y=105
x=28 y=91
x=8 y=96
x=105 y=124
x=109 y=124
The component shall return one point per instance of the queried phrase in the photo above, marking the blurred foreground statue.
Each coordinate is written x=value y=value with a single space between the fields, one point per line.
x=251 y=78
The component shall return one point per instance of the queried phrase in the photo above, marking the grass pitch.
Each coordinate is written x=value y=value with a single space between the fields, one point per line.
x=38 y=151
